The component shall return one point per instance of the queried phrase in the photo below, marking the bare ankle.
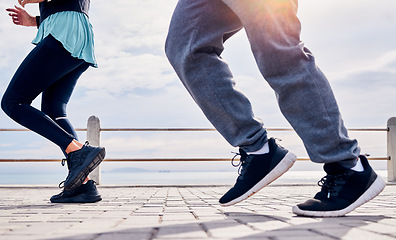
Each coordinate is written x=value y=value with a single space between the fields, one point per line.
x=73 y=146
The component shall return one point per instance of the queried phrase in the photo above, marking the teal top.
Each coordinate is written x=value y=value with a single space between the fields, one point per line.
x=73 y=30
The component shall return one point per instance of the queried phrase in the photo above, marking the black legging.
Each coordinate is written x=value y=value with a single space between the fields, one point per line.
x=51 y=70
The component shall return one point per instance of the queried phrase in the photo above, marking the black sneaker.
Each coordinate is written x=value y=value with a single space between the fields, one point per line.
x=81 y=163
x=257 y=171
x=86 y=193
x=343 y=190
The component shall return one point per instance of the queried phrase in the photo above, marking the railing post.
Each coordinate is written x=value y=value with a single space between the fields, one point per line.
x=391 y=149
x=93 y=137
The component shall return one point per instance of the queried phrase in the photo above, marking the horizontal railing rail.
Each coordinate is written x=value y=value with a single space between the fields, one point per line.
x=93 y=136
x=162 y=159
x=185 y=129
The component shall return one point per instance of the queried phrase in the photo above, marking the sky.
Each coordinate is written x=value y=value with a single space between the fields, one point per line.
x=354 y=43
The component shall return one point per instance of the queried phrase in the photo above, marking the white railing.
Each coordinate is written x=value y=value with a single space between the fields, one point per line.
x=94 y=131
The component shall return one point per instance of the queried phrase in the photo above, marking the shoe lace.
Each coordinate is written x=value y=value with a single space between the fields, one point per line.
x=62 y=184
x=64 y=160
x=242 y=165
x=331 y=184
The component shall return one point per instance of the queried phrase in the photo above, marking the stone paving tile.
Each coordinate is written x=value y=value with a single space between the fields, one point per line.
x=185 y=212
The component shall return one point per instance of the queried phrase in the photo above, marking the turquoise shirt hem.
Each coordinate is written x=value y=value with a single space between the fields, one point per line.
x=73 y=30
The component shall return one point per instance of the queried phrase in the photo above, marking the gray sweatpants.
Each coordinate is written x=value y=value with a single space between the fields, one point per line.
x=194 y=45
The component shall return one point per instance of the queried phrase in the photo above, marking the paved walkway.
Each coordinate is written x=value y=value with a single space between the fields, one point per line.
x=186 y=212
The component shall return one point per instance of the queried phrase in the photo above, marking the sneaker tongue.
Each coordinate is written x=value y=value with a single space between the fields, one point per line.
x=242 y=153
x=334 y=168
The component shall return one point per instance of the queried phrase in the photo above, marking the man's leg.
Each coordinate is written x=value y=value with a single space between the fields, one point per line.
x=194 y=45
x=303 y=92
x=307 y=101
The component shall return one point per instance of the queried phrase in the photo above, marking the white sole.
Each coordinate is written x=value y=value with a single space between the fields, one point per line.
x=376 y=188
x=285 y=164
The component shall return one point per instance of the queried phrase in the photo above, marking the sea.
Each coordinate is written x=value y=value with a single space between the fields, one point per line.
x=161 y=178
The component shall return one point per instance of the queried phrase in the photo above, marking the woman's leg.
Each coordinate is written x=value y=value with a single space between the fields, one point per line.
x=56 y=97
x=46 y=66
x=47 y=63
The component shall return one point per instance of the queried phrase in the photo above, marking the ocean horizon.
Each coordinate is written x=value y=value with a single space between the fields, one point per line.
x=162 y=178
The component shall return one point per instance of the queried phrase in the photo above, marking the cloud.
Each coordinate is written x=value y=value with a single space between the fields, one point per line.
x=126 y=72
x=380 y=71
x=129 y=46
x=132 y=24
x=387 y=62
x=346 y=35
x=366 y=94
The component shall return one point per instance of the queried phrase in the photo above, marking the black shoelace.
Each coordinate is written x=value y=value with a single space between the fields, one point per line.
x=62 y=184
x=332 y=184
x=63 y=161
x=242 y=165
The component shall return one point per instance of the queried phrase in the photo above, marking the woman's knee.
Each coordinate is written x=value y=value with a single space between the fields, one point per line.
x=6 y=105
